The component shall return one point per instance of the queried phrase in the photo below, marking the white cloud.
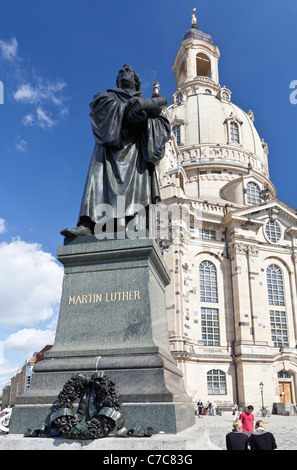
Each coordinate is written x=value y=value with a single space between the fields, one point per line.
x=48 y=92
x=30 y=290
x=40 y=118
x=43 y=119
x=6 y=372
x=20 y=145
x=53 y=92
x=29 y=340
x=9 y=49
x=28 y=120
x=41 y=95
x=2 y=226
x=26 y=93
x=46 y=98
x=30 y=284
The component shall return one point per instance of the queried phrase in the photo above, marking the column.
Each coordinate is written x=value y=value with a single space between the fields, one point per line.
x=259 y=316
x=241 y=292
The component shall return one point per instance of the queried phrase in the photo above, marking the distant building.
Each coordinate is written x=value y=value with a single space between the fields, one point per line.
x=5 y=396
x=21 y=380
x=232 y=301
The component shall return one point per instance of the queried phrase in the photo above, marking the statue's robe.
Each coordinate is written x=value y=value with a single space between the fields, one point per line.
x=124 y=157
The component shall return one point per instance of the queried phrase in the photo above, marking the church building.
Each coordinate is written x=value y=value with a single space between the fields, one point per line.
x=232 y=301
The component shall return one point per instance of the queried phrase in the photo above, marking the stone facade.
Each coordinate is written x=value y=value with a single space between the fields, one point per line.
x=231 y=245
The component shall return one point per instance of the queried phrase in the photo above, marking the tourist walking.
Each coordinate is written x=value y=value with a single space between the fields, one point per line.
x=262 y=439
x=209 y=407
x=235 y=411
x=236 y=439
x=248 y=420
x=200 y=408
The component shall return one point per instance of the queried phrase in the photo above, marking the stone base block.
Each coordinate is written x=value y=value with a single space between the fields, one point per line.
x=169 y=418
x=112 y=319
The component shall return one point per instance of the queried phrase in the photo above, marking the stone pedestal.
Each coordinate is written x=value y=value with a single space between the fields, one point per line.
x=285 y=409
x=112 y=319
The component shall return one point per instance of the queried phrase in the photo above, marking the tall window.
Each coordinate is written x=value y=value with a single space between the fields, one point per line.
x=275 y=285
x=253 y=193
x=216 y=382
x=209 y=315
x=210 y=326
x=208 y=282
x=278 y=325
x=203 y=65
x=176 y=132
x=234 y=132
x=276 y=296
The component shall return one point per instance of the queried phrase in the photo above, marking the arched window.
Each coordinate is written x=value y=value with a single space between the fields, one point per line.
x=284 y=375
x=176 y=132
x=234 y=132
x=253 y=193
x=275 y=285
x=181 y=182
x=225 y=96
x=208 y=282
x=278 y=319
x=203 y=65
x=178 y=98
x=210 y=328
x=216 y=382
x=182 y=74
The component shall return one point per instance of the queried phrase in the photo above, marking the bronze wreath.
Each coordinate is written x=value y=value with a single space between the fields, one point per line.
x=96 y=414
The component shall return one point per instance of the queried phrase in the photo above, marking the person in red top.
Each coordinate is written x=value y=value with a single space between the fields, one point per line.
x=248 y=420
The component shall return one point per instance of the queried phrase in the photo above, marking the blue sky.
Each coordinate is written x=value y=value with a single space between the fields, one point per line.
x=54 y=56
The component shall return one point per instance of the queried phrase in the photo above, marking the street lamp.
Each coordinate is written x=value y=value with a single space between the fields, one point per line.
x=261 y=385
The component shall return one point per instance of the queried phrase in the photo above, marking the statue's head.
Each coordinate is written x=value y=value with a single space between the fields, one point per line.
x=128 y=78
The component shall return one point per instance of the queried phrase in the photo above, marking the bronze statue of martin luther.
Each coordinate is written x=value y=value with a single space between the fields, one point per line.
x=130 y=136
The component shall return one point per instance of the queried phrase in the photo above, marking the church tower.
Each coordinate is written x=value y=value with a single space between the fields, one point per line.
x=231 y=245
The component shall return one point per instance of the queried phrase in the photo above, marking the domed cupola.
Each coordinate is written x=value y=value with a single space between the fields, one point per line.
x=196 y=60
x=219 y=147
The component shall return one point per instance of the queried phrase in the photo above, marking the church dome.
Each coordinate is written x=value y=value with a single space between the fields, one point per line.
x=226 y=124
x=205 y=121
x=214 y=128
x=220 y=156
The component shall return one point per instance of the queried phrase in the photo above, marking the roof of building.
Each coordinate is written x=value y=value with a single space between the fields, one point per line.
x=195 y=33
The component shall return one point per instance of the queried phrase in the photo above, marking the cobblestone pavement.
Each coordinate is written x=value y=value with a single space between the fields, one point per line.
x=284 y=429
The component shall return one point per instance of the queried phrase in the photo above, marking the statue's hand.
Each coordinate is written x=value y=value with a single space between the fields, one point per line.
x=136 y=117
x=133 y=113
x=132 y=102
x=140 y=109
